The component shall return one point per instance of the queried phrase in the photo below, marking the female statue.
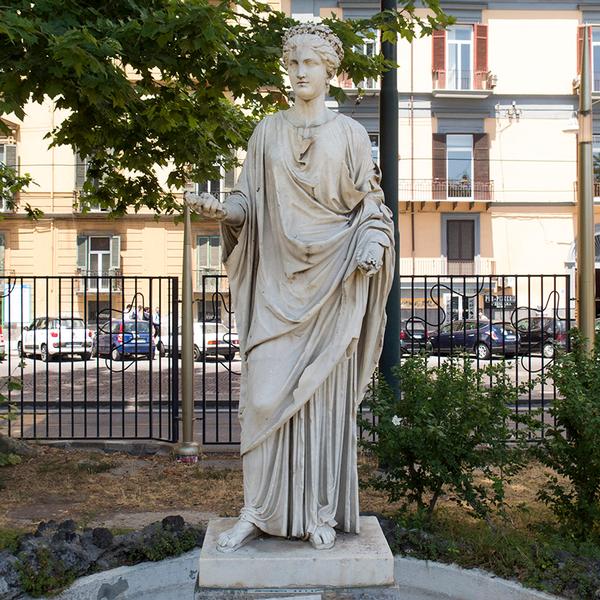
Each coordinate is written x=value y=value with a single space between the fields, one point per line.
x=308 y=248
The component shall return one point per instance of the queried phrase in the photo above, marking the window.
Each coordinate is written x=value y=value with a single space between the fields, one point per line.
x=217 y=187
x=2 y=246
x=460 y=57
x=460 y=165
x=98 y=258
x=8 y=157
x=209 y=253
x=369 y=48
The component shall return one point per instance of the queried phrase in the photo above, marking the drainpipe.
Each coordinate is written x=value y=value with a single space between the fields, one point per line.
x=412 y=157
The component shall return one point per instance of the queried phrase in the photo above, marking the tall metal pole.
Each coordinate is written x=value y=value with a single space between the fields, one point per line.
x=188 y=449
x=586 y=273
x=388 y=134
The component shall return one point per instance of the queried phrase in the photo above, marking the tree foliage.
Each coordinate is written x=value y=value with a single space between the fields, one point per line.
x=174 y=84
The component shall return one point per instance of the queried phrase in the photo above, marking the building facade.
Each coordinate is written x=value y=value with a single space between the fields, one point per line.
x=487 y=159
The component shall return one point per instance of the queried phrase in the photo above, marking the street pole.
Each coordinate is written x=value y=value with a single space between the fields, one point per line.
x=388 y=137
x=188 y=450
x=586 y=310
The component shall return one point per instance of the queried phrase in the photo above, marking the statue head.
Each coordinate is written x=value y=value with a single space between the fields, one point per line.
x=312 y=54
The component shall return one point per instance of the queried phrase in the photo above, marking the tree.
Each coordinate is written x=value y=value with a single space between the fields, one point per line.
x=176 y=84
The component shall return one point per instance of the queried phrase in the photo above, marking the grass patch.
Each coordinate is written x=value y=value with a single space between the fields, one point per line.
x=536 y=554
x=9 y=539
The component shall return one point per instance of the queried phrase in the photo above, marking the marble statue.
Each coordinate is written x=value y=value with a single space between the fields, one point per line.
x=308 y=248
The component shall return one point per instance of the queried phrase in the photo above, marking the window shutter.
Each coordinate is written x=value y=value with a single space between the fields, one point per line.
x=580 y=33
x=229 y=182
x=461 y=239
x=80 y=171
x=82 y=252
x=215 y=252
x=215 y=187
x=2 y=245
x=481 y=56
x=439 y=167
x=10 y=153
x=202 y=250
x=481 y=160
x=115 y=252
x=438 y=59
x=203 y=187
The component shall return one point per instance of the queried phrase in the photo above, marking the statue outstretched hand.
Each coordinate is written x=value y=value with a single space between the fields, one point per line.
x=206 y=204
x=369 y=258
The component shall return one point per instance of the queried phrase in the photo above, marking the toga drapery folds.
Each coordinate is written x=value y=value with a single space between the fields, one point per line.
x=310 y=323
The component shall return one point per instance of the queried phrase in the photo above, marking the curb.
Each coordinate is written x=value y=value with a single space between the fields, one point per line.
x=176 y=578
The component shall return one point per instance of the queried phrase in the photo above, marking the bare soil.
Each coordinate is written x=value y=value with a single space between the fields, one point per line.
x=128 y=492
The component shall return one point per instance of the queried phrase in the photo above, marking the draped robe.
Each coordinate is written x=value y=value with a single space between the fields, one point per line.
x=310 y=323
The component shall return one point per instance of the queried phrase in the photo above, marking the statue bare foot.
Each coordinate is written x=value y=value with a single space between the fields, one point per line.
x=240 y=534
x=323 y=537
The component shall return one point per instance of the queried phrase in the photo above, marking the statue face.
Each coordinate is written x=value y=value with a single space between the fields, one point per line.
x=307 y=72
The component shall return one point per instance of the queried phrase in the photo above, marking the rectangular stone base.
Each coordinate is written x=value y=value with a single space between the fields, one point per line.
x=363 y=560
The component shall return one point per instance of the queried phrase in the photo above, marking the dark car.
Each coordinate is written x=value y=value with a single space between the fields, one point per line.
x=480 y=337
x=124 y=338
x=543 y=334
x=413 y=337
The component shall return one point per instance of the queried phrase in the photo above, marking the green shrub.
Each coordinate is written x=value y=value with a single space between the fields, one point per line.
x=447 y=435
x=572 y=447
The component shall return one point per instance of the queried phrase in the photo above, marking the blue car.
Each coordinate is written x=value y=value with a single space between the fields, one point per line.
x=480 y=337
x=120 y=339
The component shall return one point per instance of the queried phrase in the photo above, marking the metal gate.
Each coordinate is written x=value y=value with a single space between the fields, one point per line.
x=90 y=356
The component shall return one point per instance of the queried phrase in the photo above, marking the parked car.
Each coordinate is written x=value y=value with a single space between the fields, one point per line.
x=55 y=336
x=542 y=333
x=480 y=337
x=124 y=338
x=212 y=339
x=413 y=337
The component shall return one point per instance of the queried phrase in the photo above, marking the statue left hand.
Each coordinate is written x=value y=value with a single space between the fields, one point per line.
x=369 y=258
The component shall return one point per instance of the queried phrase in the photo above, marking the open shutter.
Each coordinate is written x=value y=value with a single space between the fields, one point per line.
x=10 y=152
x=438 y=59
x=439 y=167
x=82 y=252
x=115 y=253
x=481 y=56
x=229 y=181
x=80 y=171
x=580 y=33
x=2 y=246
x=215 y=253
x=202 y=257
x=481 y=160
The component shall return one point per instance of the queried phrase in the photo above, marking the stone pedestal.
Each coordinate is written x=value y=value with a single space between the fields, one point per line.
x=363 y=560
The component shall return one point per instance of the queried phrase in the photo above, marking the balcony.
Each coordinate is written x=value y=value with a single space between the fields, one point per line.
x=443 y=190
x=441 y=266
x=211 y=280
x=371 y=84
x=98 y=282
x=472 y=84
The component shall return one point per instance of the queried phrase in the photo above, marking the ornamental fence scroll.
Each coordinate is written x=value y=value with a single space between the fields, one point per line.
x=84 y=349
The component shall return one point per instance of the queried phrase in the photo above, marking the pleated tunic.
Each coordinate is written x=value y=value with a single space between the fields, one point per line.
x=310 y=323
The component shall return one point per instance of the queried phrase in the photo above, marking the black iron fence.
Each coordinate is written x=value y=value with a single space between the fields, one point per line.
x=116 y=383
x=522 y=319
x=84 y=349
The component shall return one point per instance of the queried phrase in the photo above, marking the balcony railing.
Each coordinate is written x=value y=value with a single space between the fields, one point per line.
x=426 y=190
x=215 y=280
x=464 y=81
x=99 y=281
x=442 y=266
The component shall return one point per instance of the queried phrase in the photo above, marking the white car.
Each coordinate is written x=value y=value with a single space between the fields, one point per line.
x=54 y=336
x=211 y=340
